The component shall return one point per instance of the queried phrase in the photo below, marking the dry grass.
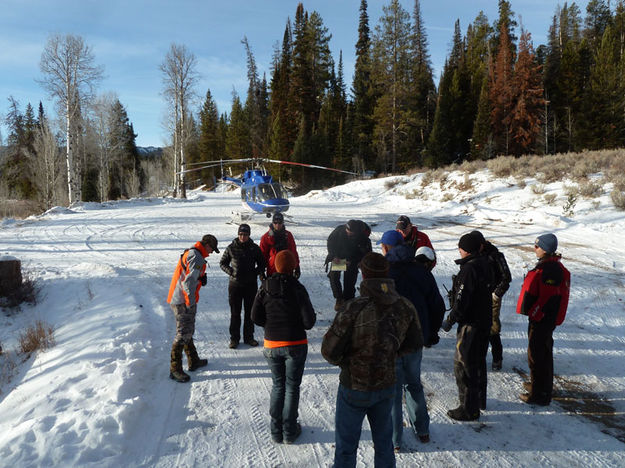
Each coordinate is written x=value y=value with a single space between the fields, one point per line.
x=35 y=337
x=549 y=198
x=538 y=189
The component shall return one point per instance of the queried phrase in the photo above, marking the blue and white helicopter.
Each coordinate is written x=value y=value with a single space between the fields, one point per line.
x=260 y=194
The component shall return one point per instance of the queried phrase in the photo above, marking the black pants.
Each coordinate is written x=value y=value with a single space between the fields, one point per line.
x=241 y=294
x=348 y=291
x=470 y=366
x=540 y=359
x=496 y=347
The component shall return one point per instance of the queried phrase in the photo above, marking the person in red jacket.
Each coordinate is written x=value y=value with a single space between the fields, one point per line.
x=544 y=299
x=277 y=238
x=412 y=236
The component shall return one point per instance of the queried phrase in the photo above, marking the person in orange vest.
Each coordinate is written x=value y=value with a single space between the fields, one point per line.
x=184 y=292
x=544 y=298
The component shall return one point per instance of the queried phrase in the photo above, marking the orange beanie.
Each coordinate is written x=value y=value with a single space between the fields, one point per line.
x=285 y=262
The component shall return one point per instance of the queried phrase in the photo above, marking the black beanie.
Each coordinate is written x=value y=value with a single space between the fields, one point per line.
x=374 y=265
x=469 y=243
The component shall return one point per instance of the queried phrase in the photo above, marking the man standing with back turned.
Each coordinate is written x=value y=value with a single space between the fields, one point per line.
x=364 y=341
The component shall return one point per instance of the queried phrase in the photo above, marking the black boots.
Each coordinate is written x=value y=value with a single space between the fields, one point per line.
x=175 y=368
x=193 y=359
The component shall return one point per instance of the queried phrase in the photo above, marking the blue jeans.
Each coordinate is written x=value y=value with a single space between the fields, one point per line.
x=351 y=408
x=408 y=375
x=287 y=368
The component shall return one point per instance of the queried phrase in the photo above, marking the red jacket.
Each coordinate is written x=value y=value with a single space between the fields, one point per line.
x=272 y=242
x=545 y=291
x=418 y=239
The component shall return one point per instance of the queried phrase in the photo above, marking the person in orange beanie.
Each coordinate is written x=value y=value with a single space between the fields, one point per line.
x=282 y=306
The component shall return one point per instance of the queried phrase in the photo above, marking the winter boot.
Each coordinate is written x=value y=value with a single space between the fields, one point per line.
x=338 y=305
x=175 y=369
x=460 y=414
x=193 y=359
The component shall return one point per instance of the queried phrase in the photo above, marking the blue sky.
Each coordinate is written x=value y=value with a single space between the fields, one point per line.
x=130 y=39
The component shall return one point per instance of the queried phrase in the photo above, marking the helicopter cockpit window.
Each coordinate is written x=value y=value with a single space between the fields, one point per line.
x=265 y=192
x=279 y=190
x=243 y=194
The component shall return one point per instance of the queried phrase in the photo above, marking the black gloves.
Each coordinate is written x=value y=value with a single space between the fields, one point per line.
x=297 y=273
x=446 y=325
x=203 y=279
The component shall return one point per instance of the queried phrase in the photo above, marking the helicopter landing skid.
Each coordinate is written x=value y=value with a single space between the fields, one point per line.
x=239 y=217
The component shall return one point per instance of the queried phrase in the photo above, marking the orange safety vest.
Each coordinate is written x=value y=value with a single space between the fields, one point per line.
x=183 y=265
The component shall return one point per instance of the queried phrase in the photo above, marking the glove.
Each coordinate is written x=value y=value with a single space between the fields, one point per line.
x=297 y=273
x=203 y=279
x=434 y=339
x=446 y=325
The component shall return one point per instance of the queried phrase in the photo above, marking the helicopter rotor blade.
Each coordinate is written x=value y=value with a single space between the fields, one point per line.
x=217 y=163
x=310 y=165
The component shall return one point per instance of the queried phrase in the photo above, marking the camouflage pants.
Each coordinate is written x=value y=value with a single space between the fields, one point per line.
x=185 y=322
x=496 y=327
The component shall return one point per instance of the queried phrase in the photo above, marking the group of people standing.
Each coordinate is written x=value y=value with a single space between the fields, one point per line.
x=377 y=338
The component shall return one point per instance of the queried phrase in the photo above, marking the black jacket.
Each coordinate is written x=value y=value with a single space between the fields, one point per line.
x=353 y=248
x=499 y=269
x=415 y=282
x=472 y=300
x=243 y=261
x=282 y=306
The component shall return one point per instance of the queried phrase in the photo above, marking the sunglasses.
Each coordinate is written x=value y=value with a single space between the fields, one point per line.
x=278 y=222
x=244 y=233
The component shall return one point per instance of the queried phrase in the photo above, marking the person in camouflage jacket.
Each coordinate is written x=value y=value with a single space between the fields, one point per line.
x=364 y=341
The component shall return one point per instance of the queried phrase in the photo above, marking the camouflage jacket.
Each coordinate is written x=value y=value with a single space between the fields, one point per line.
x=368 y=333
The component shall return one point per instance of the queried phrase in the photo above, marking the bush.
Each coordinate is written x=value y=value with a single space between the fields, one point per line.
x=590 y=189
x=538 y=189
x=35 y=337
x=549 y=198
x=618 y=198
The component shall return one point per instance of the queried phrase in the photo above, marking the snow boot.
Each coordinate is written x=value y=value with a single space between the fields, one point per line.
x=460 y=414
x=193 y=359
x=338 y=305
x=175 y=368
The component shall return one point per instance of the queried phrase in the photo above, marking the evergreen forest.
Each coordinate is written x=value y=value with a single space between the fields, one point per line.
x=498 y=94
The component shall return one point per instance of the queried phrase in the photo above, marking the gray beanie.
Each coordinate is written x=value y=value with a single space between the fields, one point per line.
x=547 y=242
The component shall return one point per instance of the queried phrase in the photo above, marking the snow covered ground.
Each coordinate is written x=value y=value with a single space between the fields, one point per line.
x=102 y=396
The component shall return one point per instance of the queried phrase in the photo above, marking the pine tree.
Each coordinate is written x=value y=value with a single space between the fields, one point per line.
x=501 y=93
x=211 y=144
x=392 y=70
x=524 y=119
x=361 y=121
x=453 y=121
x=606 y=123
x=238 y=140
x=423 y=92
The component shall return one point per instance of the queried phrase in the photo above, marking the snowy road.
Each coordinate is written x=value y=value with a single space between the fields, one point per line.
x=101 y=396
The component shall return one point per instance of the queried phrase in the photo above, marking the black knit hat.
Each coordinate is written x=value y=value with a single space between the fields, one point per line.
x=374 y=265
x=469 y=243
x=278 y=218
x=245 y=228
x=479 y=236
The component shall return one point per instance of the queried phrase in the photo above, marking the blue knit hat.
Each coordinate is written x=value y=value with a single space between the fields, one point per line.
x=392 y=238
x=547 y=242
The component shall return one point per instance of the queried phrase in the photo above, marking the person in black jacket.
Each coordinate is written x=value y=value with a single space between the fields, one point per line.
x=415 y=282
x=501 y=282
x=243 y=262
x=283 y=308
x=471 y=305
x=349 y=242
